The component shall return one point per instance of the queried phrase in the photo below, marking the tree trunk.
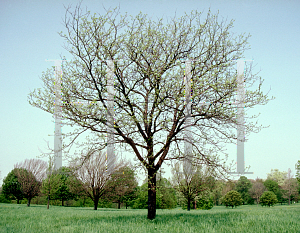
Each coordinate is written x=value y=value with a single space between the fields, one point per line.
x=48 y=202
x=18 y=202
x=119 y=205
x=289 y=201
x=96 y=200
x=28 y=201
x=189 y=204
x=126 y=205
x=62 y=202
x=151 y=194
x=195 y=204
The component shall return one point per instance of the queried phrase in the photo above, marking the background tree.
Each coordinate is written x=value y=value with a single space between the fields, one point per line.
x=277 y=175
x=30 y=186
x=257 y=189
x=168 y=194
x=91 y=171
x=140 y=202
x=30 y=175
x=3 y=198
x=290 y=186
x=242 y=186
x=63 y=191
x=149 y=84
x=121 y=187
x=11 y=188
x=49 y=187
x=297 y=167
x=268 y=198
x=204 y=200
x=232 y=198
x=228 y=186
x=190 y=182
x=50 y=184
x=272 y=185
x=217 y=192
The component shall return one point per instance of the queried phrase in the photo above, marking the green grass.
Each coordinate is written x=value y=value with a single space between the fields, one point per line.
x=19 y=218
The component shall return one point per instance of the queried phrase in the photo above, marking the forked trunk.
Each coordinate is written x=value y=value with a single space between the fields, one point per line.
x=151 y=194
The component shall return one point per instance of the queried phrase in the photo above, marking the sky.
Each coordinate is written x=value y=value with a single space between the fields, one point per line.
x=29 y=35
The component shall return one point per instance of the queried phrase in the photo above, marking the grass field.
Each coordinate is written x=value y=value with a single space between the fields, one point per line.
x=36 y=218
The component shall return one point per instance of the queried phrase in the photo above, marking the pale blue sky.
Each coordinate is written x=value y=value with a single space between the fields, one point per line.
x=28 y=36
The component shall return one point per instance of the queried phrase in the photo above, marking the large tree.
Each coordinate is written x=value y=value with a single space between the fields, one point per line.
x=148 y=59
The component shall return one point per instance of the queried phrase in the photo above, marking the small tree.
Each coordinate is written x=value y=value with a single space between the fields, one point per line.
x=30 y=186
x=63 y=192
x=297 y=167
x=140 y=202
x=122 y=186
x=50 y=186
x=205 y=201
x=217 y=192
x=277 y=175
x=273 y=186
x=268 y=198
x=190 y=182
x=91 y=171
x=233 y=199
x=290 y=187
x=30 y=175
x=167 y=193
x=257 y=190
x=229 y=185
x=242 y=186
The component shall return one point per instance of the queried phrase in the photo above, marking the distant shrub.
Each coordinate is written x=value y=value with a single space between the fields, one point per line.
x=268 y=198
x=232 y=198
x=205 y=202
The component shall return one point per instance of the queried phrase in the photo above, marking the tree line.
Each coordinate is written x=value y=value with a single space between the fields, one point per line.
x=87 y=184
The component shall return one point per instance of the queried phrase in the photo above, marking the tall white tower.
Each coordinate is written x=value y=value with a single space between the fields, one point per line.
x=57 y=114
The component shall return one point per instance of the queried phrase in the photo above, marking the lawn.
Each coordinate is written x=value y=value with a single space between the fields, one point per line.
x=36 y=218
